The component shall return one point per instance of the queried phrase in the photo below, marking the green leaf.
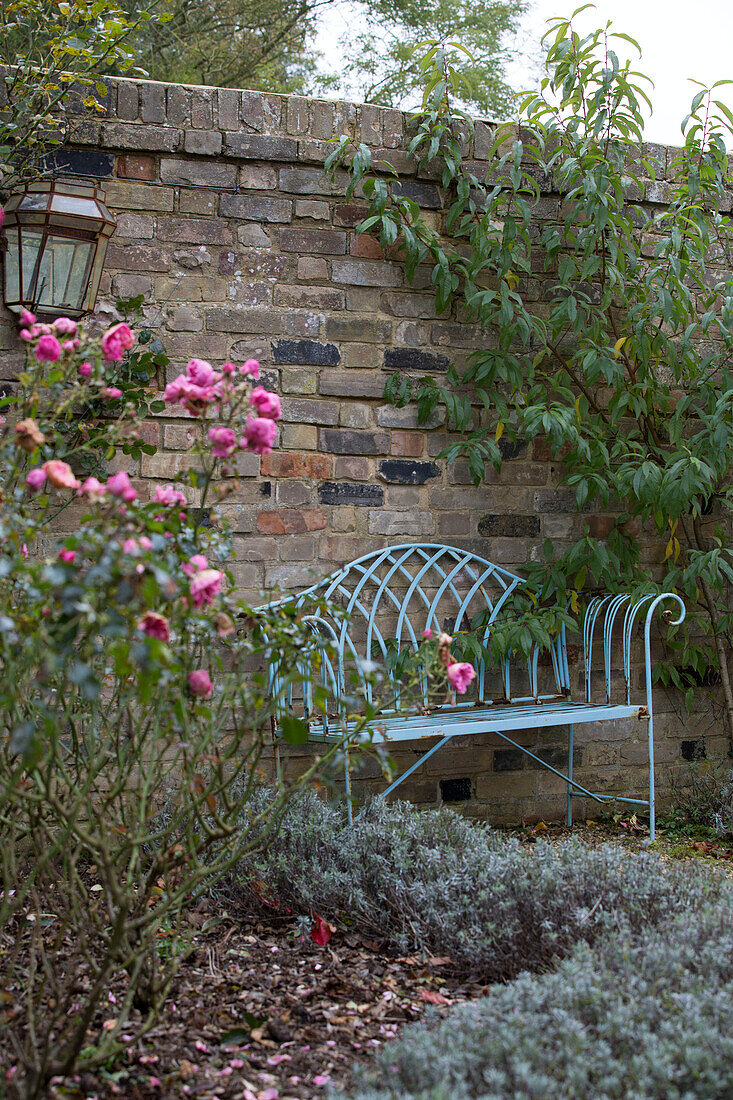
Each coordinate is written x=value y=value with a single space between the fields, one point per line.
x=293 y=730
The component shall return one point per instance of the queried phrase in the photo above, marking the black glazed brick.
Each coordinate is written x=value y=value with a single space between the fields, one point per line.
x=306 y=353
x=412 y=359
x=509 y=526
x=405 y=471
x=345 y=492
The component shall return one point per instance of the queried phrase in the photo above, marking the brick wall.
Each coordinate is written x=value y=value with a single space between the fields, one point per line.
x=242 y=247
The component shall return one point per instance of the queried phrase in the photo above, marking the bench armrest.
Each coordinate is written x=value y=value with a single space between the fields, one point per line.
x=622 y=609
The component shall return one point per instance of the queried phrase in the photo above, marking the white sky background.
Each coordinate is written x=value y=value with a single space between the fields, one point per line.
x=678 y=41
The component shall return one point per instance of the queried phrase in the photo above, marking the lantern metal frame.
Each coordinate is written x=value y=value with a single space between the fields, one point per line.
x=52 y=213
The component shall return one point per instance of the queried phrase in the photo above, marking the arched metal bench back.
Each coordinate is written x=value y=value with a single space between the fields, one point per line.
x=391 y=596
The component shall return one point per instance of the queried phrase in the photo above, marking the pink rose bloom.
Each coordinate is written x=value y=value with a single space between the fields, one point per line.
x=85 y=369
x=65 y=326
x=48 y=349
x=60 y=474
x=111 y=392
x=251 y=368
x=266 y=404
x=205 y=586
x=155 y=626
x=116 y=341
x=193 y=397
x=69 y=345
x=460 y=675
x=444 y=642
x=67 y=556
x=228 y=368
x=259 y=435
x=223 y=442
x=25 y=334
x=35 y=478
x=168 y=494
x=427 y=634
x=26 y=317
x=119 y=486
x=132 y=546
x=24 y=550
x=92 y=488
x=195 y=565
x=201 y=373
x=40 y=330
x=200 y=684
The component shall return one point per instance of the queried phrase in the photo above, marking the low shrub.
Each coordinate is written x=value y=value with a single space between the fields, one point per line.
x=433 y=881
x=648 y=1018
x=698 y=795
x=723 y=815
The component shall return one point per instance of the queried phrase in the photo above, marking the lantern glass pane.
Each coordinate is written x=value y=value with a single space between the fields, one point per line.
x=12 y=268
x=33 y=201
x=63 y=271
x=74 y=204
x=31 y=242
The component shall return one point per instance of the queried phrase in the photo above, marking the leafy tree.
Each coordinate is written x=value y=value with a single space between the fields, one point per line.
x=232 y=43
x=50 y=55
x=267 y=44
x=381 y=62
x=609 y=334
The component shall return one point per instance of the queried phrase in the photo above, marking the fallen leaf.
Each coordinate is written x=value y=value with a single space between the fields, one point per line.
x=322 y=931
x=433 y=998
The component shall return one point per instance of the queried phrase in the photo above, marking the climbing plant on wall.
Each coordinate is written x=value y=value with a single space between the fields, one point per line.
x=608 y=335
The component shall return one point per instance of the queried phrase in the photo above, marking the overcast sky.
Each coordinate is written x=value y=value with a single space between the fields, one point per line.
x=678 y=41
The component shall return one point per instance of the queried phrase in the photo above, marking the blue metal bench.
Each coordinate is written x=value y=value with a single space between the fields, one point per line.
x=387 y=598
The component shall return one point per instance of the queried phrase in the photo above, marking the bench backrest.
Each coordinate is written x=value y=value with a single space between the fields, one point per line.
x=387 y=598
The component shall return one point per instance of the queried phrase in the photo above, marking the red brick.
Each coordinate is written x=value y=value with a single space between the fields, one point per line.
x=350 y=215
x=327 y=241
x=147 y=432
x=407 y=444
x=601 y=526
x=296 y=464
x=291 y=521
x=353 y=468
x=132 y=167
x=363 y=245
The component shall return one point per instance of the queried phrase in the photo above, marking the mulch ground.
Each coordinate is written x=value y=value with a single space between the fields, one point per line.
x=262 y=1012
x=259 y=1012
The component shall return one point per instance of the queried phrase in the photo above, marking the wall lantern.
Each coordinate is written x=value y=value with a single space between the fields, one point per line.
x=56 y=235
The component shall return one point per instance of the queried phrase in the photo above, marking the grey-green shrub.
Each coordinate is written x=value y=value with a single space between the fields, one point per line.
x=648 y=1018
x=723 y=816
x=435 y=882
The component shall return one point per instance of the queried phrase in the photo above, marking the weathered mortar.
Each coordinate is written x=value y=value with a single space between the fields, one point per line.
x=242 y=247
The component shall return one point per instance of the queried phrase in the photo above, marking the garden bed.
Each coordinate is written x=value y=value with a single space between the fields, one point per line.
x=257 y=1007
x=260 y=1010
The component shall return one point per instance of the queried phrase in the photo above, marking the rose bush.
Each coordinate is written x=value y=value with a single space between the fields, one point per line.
x=135 y=706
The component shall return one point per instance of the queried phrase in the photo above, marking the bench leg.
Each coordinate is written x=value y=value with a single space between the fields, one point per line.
x=569 y=814
x=651 y=778
x=347 y=783
x=278 y=765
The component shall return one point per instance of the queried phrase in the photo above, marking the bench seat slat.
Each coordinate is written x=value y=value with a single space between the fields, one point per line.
x=472 y=720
